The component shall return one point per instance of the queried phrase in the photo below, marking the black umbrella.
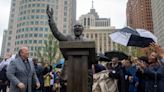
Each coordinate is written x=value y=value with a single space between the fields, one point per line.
x=119 y=55
x=59 y=66
x=102 y=57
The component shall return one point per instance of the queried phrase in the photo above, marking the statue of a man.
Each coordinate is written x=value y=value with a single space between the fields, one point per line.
x=77 y=29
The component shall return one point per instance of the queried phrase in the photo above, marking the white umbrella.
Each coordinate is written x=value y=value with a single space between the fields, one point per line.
x=148 y=34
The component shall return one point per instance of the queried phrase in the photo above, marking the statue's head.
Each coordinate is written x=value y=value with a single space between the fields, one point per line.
x=78 y=30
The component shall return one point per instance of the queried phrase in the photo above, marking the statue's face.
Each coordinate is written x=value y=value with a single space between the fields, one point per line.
x=78 y=29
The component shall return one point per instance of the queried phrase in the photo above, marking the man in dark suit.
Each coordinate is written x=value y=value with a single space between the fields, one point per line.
x=21 y=71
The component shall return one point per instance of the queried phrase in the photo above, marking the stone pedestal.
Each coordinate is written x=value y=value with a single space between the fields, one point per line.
x=78 y=54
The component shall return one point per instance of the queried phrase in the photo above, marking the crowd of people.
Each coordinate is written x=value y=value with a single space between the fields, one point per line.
x=135 y=74
x=22 y=74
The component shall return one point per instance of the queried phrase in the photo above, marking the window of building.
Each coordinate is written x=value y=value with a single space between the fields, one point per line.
x=84 y=21
x=65 y=19
x=65 y=2
x=25 y=6
x=65 y=13
x=32 y=23
x=36 y=48
x=30 y=41
x=38 y=5
x=8 y=44
x=22 y=29
x=33 y=5
x=21 y=42
x=40 y=35
x=42 y=16
x=42 y=23
x=31 y=28
x=43 y=5
x=36 y=29
x=8 y=50
x=22 y=35
x=26 y=29
x=29 y=5
x=35 y=41
x=46 y=29
x=18 y=36
x=45 y=35
x=42 y=10
x=37 y=16
x=36 y=35
x=65 y=8
x=36 y=22
x=32 y=16
x=18 y=42
x=45 y=41
x=33 y=10
x=32 y=48
x=38 y=11
x=30 y=35
x=40 y=41
x=88 y=21
x=25 y=41
x=26 y=35
x=41 y=29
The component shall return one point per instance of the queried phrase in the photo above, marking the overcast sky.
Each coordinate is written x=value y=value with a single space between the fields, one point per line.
x=113 y=9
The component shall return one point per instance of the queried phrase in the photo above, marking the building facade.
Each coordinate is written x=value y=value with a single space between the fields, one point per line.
x=101 y=38
x=28 y=22
x=158 y=20
x=4 y=39
x=92 y=20
x=97 y=29
x=139 y=14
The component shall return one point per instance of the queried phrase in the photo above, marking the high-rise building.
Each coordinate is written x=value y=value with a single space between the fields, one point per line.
x=158 y=20
x=97 y=29
x=28 y=22
x=4 y=42
x=139 y=14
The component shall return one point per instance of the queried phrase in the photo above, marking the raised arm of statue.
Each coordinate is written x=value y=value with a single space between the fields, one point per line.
x=58 y=35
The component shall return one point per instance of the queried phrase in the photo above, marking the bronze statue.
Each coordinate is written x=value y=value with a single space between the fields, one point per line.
x=77 y=29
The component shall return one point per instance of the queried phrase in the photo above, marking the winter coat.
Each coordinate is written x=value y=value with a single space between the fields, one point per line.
x=154 y=79
x=17 y=72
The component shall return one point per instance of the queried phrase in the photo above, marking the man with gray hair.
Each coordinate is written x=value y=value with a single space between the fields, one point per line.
x=21 y=71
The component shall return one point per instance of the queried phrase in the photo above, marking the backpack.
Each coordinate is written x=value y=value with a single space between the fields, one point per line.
x=3 y=75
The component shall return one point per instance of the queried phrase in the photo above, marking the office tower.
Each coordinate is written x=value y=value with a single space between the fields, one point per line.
x=28 y=22
x=139 y=14
x=158 y=20
x=4 y=39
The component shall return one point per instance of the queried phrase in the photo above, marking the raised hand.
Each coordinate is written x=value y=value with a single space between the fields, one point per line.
x=155 y=47
x=49 y=13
